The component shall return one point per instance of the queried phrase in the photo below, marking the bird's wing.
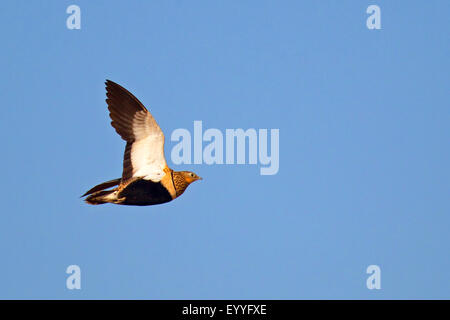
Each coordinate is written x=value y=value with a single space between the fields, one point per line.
x=144 y=152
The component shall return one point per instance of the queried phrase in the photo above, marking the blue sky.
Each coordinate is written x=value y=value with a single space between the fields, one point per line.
x=364 y=159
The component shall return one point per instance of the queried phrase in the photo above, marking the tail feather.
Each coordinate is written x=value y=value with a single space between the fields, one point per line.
x=102 y=186
x=99 y=197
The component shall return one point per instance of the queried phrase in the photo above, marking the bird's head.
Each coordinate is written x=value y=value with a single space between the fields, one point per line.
x=190 y=177
x=182 y=179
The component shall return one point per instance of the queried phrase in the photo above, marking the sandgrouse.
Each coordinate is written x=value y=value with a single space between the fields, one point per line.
x=146 y=178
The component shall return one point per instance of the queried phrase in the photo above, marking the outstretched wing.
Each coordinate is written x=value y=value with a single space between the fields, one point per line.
x=144 y=152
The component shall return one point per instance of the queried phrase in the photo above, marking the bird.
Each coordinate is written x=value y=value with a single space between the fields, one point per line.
x=146 y=178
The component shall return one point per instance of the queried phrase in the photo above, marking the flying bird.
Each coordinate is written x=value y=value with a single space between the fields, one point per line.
x=146 y=178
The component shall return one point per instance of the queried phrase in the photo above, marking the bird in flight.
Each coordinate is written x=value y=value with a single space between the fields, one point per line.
x=146 y=178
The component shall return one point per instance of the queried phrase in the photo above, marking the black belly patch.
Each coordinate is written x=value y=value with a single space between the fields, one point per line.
x=144 y=193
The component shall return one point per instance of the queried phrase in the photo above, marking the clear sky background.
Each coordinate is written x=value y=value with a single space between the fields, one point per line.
x=364 y=149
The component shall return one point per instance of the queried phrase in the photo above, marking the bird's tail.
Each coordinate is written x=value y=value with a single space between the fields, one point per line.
x=103 y=186
x=98 y=194
x=101 y=197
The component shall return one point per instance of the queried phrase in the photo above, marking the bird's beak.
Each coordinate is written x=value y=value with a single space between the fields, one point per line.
x=200 y=178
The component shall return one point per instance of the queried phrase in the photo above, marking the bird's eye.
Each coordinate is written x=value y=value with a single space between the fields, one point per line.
x=192 y=174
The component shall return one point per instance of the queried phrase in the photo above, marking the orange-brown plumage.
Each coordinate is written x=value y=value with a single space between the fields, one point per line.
x=146 y=178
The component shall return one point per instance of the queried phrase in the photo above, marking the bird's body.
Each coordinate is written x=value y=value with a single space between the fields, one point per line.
x=146 y=178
